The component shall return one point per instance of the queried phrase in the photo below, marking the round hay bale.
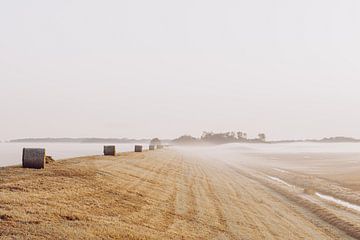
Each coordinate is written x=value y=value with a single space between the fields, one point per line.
x=33 y=158
x=138 y=148
x=109 y=150
x=152 y=147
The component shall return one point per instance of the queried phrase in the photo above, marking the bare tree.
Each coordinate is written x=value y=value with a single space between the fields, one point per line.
x=262 y=137
x=155 y=141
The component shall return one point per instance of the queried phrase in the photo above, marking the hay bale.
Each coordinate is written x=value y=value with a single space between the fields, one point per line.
x=159 y=146
x=138 y=148
x=109 y=150
x=33 y=158
x=152 y=147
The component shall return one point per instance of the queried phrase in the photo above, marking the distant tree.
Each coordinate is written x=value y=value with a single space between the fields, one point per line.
x=241 y=135
x=155 y=141
x=205 y=135
x=262 y=137
x=231 y=135
x=186 y=139
x=219 y=138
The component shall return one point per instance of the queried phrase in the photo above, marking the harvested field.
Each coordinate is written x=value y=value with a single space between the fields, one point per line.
x=168 y=194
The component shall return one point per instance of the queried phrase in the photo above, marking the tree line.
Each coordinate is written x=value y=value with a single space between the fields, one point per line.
x=220 y=138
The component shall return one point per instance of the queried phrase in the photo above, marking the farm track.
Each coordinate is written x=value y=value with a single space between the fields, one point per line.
x=164 y=194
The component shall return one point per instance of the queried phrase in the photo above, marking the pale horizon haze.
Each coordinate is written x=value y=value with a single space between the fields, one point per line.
x=290 y=69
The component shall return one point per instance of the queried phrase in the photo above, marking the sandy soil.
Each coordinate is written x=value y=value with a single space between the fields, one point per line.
x=175 y=194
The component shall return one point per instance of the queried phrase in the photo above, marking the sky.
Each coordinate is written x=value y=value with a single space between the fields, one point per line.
x=165 y=68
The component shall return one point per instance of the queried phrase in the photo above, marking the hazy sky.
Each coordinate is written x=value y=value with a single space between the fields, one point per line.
x=164 y=68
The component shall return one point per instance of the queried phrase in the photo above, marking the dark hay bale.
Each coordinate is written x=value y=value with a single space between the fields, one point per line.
x=138 y=148
x=152 y=147
x=109 y=151
x=33 y=158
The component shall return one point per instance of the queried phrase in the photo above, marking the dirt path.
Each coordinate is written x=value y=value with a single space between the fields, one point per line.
x=164 y=194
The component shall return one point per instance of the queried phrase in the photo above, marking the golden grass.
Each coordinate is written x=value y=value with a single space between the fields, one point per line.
x=161 y=194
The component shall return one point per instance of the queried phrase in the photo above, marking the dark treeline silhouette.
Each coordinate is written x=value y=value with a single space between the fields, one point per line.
x=219 y=138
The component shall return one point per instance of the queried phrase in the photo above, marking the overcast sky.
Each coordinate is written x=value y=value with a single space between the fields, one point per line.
x=143 y=68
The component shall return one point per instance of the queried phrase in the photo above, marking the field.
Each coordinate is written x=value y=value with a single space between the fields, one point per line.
x=184 y=193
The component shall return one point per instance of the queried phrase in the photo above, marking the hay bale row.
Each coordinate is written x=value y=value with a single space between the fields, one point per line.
x=36 y=157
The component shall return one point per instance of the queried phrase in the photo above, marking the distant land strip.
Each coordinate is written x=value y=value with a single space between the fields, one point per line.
x=183 y=140
x=81 y=140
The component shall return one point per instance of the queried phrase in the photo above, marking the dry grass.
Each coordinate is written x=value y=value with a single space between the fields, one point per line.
x=309 y=191
x=161 y=194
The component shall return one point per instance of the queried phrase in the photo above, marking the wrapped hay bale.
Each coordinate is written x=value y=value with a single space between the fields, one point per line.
x=33 y=158
x=109 y=151
x=151 y=147
x=138 y=148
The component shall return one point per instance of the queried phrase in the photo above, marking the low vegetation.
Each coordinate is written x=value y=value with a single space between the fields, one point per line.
x=219 y=138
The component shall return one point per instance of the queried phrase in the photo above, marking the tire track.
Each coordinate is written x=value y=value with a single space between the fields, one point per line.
x=344 y=225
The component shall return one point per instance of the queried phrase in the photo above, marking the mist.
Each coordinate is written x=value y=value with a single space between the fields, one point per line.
x=144 y=69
